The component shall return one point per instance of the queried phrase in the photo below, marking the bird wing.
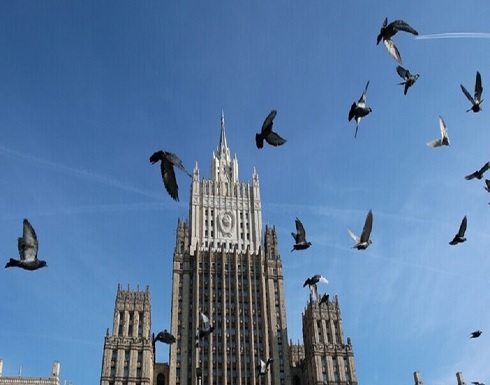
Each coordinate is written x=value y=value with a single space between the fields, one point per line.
x=169 y=180
x=401 y=25
x=156 y=156
x=467 y=94
x=487 y=185
x=368 y=225
x=352 y=111
x=404 y=74
x=484 y=168
x=478 y=87
x=176 y=161
x=274 y=139
x=300 y=231
x=391 y=47
x=322 y=279
x=205 y=321
x=442 y=127
x=471 y=176
x=28 y=244
x=362 y=100
x=267 y=125
x=353 y=236
x=462 y=227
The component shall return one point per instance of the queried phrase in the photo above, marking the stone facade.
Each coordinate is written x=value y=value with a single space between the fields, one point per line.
x=54 y=379
x=128 y=356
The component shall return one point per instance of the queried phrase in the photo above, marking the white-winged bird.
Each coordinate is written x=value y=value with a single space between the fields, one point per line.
x=475 y=100
x=205 y=329
x=386 y=33
x=28 y=246
x=263 y=366
x=168 y=161
x=363 y=241
x=478 y=174
x=476 y=334
x=359 y=109
x=408 y=79
x=444 y=140
x=315 y=279
x=266 y=133
x=459 y=237
x=165 y=337
x=300 y=237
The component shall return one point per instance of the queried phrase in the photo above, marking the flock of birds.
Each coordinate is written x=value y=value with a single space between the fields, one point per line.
x=28 y=243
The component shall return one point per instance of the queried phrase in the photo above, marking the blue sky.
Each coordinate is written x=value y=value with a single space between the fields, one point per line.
x=88 y=90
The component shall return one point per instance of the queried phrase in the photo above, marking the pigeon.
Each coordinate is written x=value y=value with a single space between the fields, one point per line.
x=487 y=185
x=266 y=133
x=387 y=31
x=168 y=161
x=479 y=173
x=363 y=242
x=459 y=237
x=476 y=99
x=324 y=299
x=476 y=334
x=444 y=140
x=165 y=337
x=359 y=109
x=28 y=247
x=263 y=366
x=205 y=330
x=408 y=79
x=300 y=237
x=477 y=383
x=315 y=279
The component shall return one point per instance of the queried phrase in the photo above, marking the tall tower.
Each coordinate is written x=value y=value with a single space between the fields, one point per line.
x=128 y=353
x=224 y=267
x=328 y=359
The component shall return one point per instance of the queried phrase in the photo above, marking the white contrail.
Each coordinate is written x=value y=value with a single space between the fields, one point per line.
x=455 y=35
x=88 y=175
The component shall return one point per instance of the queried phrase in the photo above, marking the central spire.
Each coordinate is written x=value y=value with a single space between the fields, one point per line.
x=222 y=138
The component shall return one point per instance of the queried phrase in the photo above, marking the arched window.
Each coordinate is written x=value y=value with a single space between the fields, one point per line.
x=160 y=379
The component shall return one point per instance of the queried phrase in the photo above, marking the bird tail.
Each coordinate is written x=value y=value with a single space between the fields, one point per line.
x=12 y=263
x=259 y=140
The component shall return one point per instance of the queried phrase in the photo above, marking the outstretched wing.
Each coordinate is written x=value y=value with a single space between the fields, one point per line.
x=300 y=231
x=268 y=122
x=478 y=87
x=169 y=180
x=274 y=139
x=362 y=100
x=368 y=225
x=391 y=47
x=462 y=227
x=443 y=127
x=484 y=168
x=400 y=25
x=353 y=236
x=176 y=161
x=404 y=74
x=467 y=94
x=28 y=244
x=205 y=321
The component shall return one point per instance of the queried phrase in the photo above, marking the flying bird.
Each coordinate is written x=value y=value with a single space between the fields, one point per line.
x=168 y=161
x=263 y=367
x=477 y=383
x=475 y=100
x=359 y=109
x=479 y=173
x=408 y=79
x=300 y=237
x=315 y=279
x=386 y=33
x=206 y=328
x=476 y=334
x=444 y=140
x=165 y=337
x=459 y=237
x=487 y=185
x=363 y=242
x=28 y=246
x=266 y=133
x=324 y=299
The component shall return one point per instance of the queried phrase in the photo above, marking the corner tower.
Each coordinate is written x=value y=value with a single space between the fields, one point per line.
x=224 y=268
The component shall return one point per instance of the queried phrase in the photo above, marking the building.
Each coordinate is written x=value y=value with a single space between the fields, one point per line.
x=128 y=357
x=53 y=379
x=226 y=267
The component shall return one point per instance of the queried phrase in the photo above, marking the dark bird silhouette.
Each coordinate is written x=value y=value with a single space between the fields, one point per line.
x=266 y=133
x=324 y=299
x=487 y=185
x=206 y=328
x=28 y=246
x=263 y=367
x=168 y=161
x=315 y=279
x=386 y=33
x=475 y=100
x=408 y=79
x=165 y=337
x=359 y=109
x=476 y=334
x=363 y=242
x=459 y=237
x=444 y=140
x=477 y=383
x=300 y=237
x=479 y=173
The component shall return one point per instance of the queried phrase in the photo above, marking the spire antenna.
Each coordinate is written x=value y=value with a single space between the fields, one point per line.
x=222 y=139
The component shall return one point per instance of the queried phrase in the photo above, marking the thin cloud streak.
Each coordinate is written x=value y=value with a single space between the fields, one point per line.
x=455 y=35
x=84 y=174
